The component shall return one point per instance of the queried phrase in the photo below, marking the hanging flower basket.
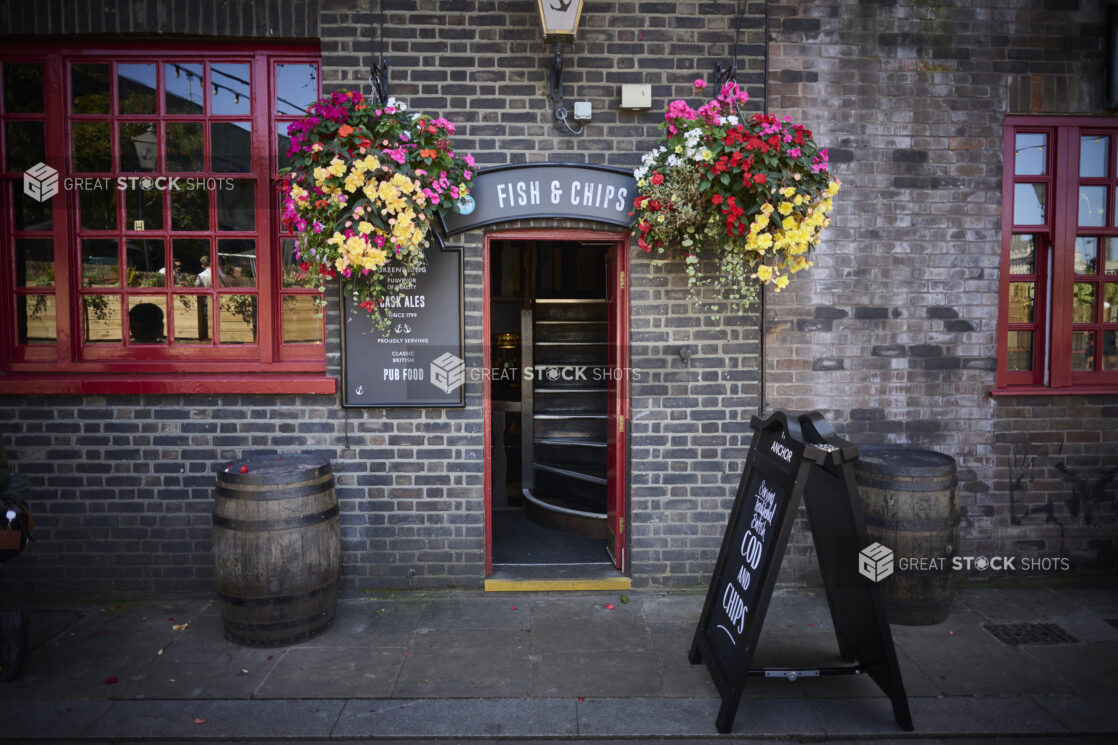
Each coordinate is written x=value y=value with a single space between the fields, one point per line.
x=366 y=184
x=751 y=193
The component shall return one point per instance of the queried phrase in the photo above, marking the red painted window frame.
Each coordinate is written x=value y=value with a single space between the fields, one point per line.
x=269 y=365
x=1055 y=272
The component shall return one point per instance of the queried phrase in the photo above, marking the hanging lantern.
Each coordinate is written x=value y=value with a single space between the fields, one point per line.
x=559 y=19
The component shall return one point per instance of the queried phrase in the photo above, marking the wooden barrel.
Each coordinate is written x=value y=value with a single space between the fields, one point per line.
x=908 y=498
x=277 y=549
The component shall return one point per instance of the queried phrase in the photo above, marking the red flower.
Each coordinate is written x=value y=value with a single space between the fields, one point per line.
x=716 y=199
x=657 y=179
x=760 y=178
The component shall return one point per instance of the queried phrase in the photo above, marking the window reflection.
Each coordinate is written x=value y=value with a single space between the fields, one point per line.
x=25 y=145
x=100 y=267
x=98 y=208
x=1110 y=303
x=1086 y=254
x=1031 y=154
x=1092 y=205
x=1021 y=302
x=146 y=259
x=237 y=319
x=302 y=321
x=143 y=208
x=36 y=320
x=190 y=209
x=231 y=147
x=187 y=256
x=23 y=87
x=147 y=319
x=1109 y=350
x=236 y=260
x=230 y=89
x=1022 y=254
x=1093 y=150
x=1020 y=357
x=1029 y=203
x=185 y=145
x=92 y=147
x=139 y=147
x=184 y=88
x=135 y=88
x=1083 y=310
x=34 y=262
x=1111 y=261
x=297 y=88
x=89 y=89
x=192 y=319
x=101 y=318
x=293 y=273
x=1083 y=350
x=236 y=206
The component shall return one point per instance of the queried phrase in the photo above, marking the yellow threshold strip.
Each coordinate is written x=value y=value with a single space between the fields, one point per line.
x=556 y=585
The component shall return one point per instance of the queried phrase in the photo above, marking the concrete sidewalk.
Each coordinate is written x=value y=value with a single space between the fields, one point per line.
x=503 y=666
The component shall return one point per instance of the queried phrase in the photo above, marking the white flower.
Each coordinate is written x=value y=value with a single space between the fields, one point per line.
x=674 y=160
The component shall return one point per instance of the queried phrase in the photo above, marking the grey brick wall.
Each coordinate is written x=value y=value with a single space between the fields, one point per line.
x=894 y=332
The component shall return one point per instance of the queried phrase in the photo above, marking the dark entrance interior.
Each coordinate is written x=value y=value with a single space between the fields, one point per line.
x=549 y=320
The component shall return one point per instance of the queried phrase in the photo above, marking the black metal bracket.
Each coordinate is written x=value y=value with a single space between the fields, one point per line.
x=378 y=74
x=722 y=75
x=556 y=75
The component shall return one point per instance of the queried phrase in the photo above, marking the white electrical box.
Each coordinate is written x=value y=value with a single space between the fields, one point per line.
x=636 y=97
x=583 y=111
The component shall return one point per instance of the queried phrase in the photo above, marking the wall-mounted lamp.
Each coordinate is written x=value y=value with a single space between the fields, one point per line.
x=559 y=23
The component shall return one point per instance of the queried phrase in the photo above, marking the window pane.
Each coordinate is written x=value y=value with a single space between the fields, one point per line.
x=34 y=215
x=293 y=273
x=192 y=319
x=99 y=263
x=231 y=147
x=25 y=145
x=1032 y=154
x=283 y=142
x=135 y=88
x=184 y=146
x=1093 y=151
x=190 y=209
x=185 y=88
x=1083 y=310
x=302 y=321
x=36 y=320
x=1028 y=204
x=139 y=147
x=1083 y=350
x=1086 y=255
x=1022 y=254
x=98 y=208
x=296 y=88
x=1109 y=350
x=34 y=262
x=236 y=206
x=146 y=259
x=187 y=258
x=1092 y=205
x=1111 y=261
x=91 y=144
x=230 y=89
x=1110 y=303
x=236 y=260
x=238 y=319
x=1020 y=357
x=147 y=319
x=23 y=88
x=143 y=208
x=89 y=89
x=101 y=318
x=1021 y=302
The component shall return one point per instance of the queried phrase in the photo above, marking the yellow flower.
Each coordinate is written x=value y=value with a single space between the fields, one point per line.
x=337 y=166
x=787 y=191
x=785 y=208
x=781 y=282
x=364 y=227
x=764 y=272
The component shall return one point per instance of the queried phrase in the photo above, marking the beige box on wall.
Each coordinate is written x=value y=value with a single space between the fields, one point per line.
x=636 y=97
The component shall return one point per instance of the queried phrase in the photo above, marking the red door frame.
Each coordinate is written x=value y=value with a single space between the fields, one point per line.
x=617 y=452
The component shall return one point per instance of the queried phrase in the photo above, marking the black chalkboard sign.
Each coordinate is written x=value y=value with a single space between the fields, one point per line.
x=782 y=464
x=419 y=362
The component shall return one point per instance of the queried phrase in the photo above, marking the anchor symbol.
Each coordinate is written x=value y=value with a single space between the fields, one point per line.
x=360 y=390
x=563 y=7
x=403 y=328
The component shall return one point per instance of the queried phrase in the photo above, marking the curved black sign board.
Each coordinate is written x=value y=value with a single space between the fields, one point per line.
x=419 y=362
x=788 y=456
x=546 y=190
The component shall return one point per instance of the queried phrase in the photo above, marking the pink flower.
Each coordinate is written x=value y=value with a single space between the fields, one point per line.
x=700 y=84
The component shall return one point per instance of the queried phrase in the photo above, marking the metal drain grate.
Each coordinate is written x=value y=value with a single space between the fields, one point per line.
x=1014 y=634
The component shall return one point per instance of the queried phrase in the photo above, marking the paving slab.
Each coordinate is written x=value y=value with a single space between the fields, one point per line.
x=505 y=613
x=1083 y=714
x=601 y=674
x=649 y=717
x=217 y=719
x=199 y=663
x=956 y=715
x=1013 y=605
x=61 y=719
x=502 y=717
x=585 y=624
x=963 y=659
x=371 y=622
x=334 y=672
x=1088 y=669
x=466 y=663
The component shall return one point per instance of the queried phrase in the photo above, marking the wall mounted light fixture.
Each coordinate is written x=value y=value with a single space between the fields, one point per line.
x=559 y=23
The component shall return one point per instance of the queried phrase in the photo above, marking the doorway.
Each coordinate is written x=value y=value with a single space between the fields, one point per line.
x=556 y=478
